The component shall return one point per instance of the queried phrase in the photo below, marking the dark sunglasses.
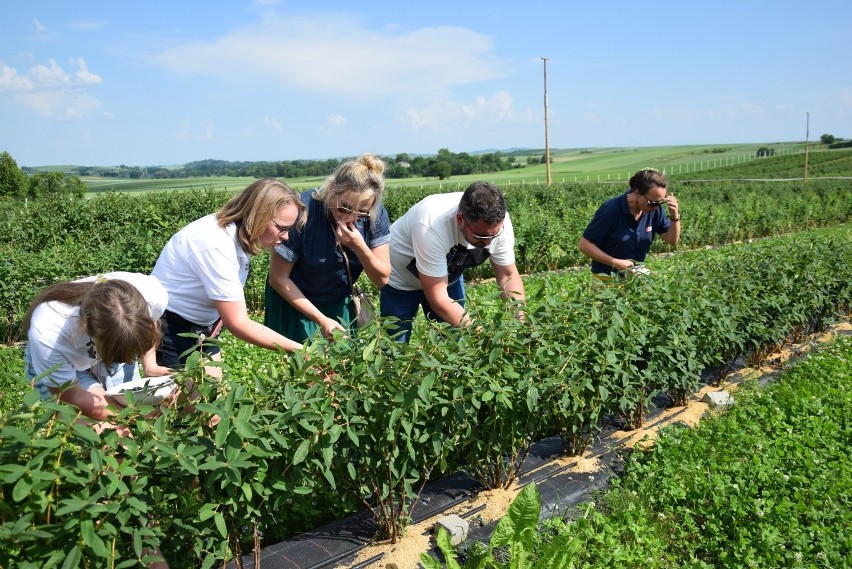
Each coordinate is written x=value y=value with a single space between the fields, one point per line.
x=656 y=203
x=483 y=237
x=343 y=210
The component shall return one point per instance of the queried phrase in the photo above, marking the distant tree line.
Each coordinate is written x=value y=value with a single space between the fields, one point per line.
x=834 y=142
x=403 y=165
x=15 y=183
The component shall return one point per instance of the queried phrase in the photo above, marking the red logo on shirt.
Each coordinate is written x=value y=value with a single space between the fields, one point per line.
x=649 y=229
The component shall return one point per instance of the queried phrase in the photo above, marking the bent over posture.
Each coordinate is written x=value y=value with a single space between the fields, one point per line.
x=93 y=331
x=435 y=241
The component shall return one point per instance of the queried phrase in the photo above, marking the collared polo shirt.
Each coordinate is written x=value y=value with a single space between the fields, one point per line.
x=318 y=268
x=618 y=234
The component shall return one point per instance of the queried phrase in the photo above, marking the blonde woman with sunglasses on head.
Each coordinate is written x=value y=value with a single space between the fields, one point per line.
x=623 y=228
x=312 y=273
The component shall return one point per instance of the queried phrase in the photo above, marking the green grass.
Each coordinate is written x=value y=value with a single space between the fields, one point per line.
x=767 y=484
x=144 y=185
x=568 y=165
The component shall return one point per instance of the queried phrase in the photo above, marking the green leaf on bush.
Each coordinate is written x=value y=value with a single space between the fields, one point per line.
x=302 y=451
x=219 y=519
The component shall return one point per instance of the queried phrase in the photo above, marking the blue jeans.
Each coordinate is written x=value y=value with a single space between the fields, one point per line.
x=403 y=304
x=118 y=373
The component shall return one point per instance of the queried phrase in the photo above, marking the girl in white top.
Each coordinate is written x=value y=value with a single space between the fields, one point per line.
x=93 y=330
x=204 y=267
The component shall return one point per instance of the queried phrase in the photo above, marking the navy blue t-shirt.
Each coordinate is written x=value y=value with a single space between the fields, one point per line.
x=615 y=231
x=318 y=268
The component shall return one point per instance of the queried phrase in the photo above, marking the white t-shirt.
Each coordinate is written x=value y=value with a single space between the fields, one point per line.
x=427 y=232
x=201 y=263
x=56 y=335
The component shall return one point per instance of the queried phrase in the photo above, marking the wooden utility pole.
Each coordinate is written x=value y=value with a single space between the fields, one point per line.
x=546 y=140
x=807 y=136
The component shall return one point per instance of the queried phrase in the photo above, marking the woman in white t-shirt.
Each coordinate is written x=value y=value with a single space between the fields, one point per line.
x=204 y=267
x=85 y=336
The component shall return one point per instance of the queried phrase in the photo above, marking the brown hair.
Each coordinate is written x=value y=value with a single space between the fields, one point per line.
x=253 y=208
x=364 y=177
x=483 y=201
x=113 y=312
x=642 y=181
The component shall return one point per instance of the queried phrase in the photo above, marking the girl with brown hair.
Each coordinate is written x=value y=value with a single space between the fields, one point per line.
x=85 y=336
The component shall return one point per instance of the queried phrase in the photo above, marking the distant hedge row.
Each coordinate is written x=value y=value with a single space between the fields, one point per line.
x=51 y=240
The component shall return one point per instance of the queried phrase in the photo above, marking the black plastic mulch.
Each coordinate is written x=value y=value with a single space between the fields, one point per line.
x=338 y=544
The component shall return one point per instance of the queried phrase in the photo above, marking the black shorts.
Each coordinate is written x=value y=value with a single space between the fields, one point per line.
x=175 y=349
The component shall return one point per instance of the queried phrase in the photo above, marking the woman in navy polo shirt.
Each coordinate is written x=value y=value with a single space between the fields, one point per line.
x=309 y=285
x=623 y=228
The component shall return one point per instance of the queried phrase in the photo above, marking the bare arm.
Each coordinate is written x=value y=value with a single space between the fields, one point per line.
x=150 y=367
x=92 y=403
x=509 y=281
x=672 y=236
x=595 y=253
x=435 y=289
x=236 y=319
x=280 y=281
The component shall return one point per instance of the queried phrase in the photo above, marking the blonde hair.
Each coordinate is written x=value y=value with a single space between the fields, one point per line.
x=253 y=208
x=364 y=177
x=112 y=312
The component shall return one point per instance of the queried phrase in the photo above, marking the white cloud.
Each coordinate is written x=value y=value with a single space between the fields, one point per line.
x=70 y=114
x=45 y=78
x=49 y=76
x=273 y=122
x=38 y=26
x=52 y=91
x=337 y=54
x=336 y=120
x=84 y=76
x=450 y=116
x=60 y=106
x=11 y=81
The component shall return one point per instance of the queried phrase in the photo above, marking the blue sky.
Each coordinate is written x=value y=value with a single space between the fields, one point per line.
x=162 y=83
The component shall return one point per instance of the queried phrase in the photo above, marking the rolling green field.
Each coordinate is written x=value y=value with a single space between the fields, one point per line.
x=567 y=165
x=97 y=184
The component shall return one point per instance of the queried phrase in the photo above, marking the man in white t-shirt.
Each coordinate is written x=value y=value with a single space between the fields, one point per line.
x=432 y=244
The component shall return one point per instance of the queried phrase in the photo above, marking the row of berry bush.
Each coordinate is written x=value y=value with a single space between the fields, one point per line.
x=375 y=419
x=700 y=498
x=55 y=239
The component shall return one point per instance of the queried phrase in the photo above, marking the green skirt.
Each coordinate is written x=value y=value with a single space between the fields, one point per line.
x=280 y=315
